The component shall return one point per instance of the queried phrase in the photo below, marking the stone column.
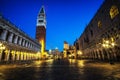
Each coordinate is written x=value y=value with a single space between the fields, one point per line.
x=26 y=44
x=3 y=35
x=28 y=56
x=7 y=55
x=25 y=56
x=20 y=41
x=102 y=54
x=99 y=57
x=10 y=37
x=1 y=54
x=16 y=39
x=13 y=53
x=22 y=55
x=23 y=43
x=18 y=55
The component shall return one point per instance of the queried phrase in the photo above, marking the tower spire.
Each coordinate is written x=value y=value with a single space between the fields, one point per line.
x=41 y=18
x=42 y=11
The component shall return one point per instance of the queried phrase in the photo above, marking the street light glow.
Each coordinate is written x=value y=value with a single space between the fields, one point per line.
x=79 y=52
x=113 y=44
x=107 y=42
x=2 y=47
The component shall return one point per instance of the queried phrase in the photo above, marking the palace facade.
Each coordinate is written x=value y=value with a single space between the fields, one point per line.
x=101 y=37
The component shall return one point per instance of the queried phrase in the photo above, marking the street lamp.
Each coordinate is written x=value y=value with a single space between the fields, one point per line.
x=108 y=44
x=113 y=44
x=79 y=54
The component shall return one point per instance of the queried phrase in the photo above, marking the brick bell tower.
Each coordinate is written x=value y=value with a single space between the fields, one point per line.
x=41 y=29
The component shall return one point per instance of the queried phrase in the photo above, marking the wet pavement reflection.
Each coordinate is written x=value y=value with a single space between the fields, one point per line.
x=60 y=70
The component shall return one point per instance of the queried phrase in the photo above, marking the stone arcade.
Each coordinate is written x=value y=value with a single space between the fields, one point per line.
x=15 y=45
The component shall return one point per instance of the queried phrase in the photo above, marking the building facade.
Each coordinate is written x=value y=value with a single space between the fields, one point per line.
x=41 y=29
x=15 y=45
x=101 y=37
x=69 y=51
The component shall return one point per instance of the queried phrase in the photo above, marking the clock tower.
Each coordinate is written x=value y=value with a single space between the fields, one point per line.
x=41 y=29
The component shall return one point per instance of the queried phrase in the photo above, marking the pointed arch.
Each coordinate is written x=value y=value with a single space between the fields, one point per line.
x=114 y=11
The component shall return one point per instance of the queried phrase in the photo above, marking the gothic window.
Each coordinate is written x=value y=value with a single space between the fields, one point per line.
x=99 y=24
x=114 y=11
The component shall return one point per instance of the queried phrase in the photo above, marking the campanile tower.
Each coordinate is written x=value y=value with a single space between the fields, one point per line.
x=41 y=29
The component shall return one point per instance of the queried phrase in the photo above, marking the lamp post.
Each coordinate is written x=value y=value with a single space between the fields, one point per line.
x=109 y=44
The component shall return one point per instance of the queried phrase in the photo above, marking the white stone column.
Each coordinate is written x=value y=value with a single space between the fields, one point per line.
x=29 y=45
x=26 y=44
x=23 y=43
x=20 y=41
x=10 y=37
x=16 y=39
x=3 y=34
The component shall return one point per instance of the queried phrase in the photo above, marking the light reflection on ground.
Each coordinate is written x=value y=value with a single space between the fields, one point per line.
x=60 y=70
x=81 y=63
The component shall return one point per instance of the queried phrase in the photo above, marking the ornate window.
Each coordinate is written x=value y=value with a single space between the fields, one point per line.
x=99 y=24
x=114 y=11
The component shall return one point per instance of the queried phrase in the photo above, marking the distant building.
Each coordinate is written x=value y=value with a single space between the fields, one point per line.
x=101 y=37
x=66 y=45
x=55 y=53
x=69 y=51
x=41 y=29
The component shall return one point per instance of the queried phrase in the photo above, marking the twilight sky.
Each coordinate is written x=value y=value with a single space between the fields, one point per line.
x=66 y=19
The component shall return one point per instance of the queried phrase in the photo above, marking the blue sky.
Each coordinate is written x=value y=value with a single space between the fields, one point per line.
x=66 y=19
